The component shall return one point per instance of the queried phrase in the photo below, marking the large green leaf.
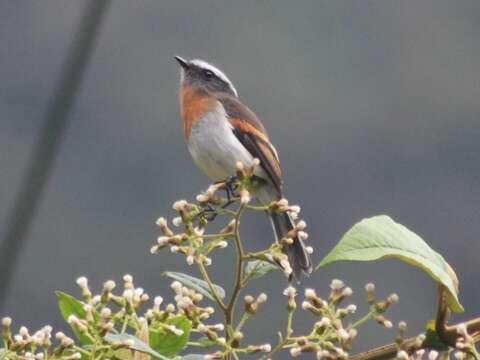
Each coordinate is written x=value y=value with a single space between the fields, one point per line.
x=70 y=306
x=196 y=284
x=138 y=344
x=169 y=344
x=257 y=268
x=380 y=237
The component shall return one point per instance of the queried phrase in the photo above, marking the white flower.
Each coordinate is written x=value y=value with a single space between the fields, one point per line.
x=177 y=221
x=179 y=205
x=82 y=282
x=161 y=221
x=336 y=284
x=290 y=291
x=262 y=298
x=295 y=351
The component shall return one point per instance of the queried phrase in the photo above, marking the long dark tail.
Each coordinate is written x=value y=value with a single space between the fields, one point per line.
x=297 y=254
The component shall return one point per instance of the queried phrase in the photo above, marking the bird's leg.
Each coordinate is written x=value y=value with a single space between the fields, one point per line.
x=209 y=213
x=230 y=188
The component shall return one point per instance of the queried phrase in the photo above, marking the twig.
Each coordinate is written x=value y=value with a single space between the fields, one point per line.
x=229 y=312
x=448 y=334
x=207 y=279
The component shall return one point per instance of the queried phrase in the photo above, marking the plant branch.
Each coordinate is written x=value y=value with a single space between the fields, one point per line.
x=207 y=279
x=448 y=334
x=229 y=312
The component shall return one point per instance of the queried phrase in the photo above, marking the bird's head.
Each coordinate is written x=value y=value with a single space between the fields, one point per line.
x=204 y=76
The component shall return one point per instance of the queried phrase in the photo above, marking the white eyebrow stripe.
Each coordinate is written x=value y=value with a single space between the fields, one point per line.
x=204 y=65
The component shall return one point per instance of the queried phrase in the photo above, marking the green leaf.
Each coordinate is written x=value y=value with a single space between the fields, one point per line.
x=169 y=344
x=205 y=342
x=380 y=237
x=138 y=344
x=196 y=284
x=123 y=354
x=257 y=268
x=70 y=306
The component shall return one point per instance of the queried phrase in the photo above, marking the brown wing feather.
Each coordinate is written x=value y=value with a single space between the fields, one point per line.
x=251 y=133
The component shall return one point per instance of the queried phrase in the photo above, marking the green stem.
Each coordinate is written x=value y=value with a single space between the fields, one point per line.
x=229 y=312
x=216 y=236
x=362 y=320
x=242 y=321
x=207 y=279
x=81 y=350
x=125 y=323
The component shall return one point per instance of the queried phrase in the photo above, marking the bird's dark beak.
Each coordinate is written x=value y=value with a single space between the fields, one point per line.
x=183 y=63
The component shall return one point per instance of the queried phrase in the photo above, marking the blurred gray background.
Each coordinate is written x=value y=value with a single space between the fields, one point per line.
x=374 y=107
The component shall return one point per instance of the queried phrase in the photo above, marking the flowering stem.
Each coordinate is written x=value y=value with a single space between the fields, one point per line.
x=229 y=312
x=242 y=321
x=206 y=277
x=362 y=320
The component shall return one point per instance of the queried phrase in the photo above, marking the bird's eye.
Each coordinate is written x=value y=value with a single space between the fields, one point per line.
x=207 y=74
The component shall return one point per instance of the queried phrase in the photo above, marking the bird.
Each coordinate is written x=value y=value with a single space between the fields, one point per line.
x=221 y=131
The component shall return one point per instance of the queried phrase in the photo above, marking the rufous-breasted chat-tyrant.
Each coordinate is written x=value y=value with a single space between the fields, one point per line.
x=221 y=131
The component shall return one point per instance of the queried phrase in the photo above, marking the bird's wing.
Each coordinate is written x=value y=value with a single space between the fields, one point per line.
x=250 y=132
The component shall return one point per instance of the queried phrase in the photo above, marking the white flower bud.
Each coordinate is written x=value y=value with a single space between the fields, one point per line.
x=393 y=298
x=336 y=284
x=177 y=221
x=239 y=166
x=262 y=298
x=324 y=322
x=287 y=269
x=7 y=321
x=462 y=330
x=295 y=351
x=161 y=221
x=109 y=285
x=343 y=334
x=310 y=293
x=301 y=225
x=290 y=291
x=128 y=295
x=105 y=312
x=201 y=198
x=295 y=209
x=266 y=348
x=347 y=291
x=302 y=235
x=179 y=205
x=162 y=240
x=388 y=324
x=82 y=282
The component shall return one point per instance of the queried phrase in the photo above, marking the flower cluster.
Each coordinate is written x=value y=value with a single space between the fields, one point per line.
x=465 y=344
x=330 y=337
x=192 y=219
x=96 y=316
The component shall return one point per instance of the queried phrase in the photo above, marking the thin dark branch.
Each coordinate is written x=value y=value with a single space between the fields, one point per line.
x=47 y=145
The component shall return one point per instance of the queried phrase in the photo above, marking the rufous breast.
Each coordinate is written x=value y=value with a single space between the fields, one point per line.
x=195 y=104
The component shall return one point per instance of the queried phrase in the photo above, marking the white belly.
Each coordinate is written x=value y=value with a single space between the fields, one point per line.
x=214 y=147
